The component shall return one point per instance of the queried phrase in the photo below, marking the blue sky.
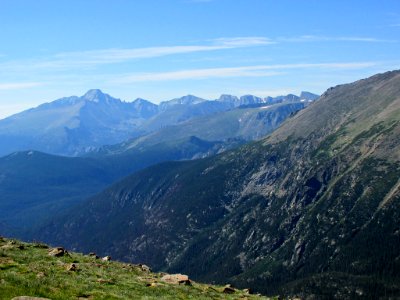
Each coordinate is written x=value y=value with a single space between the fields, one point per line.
x=161 y=49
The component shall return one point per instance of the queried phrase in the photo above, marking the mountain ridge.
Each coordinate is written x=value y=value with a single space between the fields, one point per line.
x=46 y=184
x=279 y=215
x=74 y=125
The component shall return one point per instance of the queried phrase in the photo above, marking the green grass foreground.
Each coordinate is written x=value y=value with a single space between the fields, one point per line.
x=28 y=270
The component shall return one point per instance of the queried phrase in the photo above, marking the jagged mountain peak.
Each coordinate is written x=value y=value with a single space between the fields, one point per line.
x=227 y=98
x=308 y=96
x=141 y=101
x=97 y=96
x=145 y=108
x=185 y=100
x=249 y=96
x=189 y=99
x=74 y=125
x=250 y=99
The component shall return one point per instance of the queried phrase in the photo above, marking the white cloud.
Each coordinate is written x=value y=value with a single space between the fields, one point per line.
x=198 y=74
x=107 y=56
x=120 y=55
x=91 y=58
x=243 y=41
x=19 y=85
x=318 y=38
x=117 y=55
x=247 y=71
x=94 y=58
x=364 y=39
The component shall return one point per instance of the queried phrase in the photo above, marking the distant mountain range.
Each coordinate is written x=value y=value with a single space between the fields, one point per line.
x=310 y=211
x=35 y=185
x=76 y=125
x=235 y=126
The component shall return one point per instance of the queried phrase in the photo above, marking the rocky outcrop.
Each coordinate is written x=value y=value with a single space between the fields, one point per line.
x=144 y=268
x=58 y=251
x=176 y=279
x=71 y=267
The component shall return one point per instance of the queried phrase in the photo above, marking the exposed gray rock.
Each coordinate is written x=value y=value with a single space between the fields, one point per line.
x=57 y=252
x=176 y=279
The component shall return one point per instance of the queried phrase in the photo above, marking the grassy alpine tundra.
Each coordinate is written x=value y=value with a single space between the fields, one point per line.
x=39 y=271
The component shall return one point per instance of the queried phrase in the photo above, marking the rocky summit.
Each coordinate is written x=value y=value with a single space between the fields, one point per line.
x=312 y=210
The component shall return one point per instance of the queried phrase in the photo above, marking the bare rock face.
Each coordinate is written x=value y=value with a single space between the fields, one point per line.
x=72 y=267
x=248 y=291
x=151 y=284
x=176 y=279
x=57 y=252
x=106 y=258
x=228 y=289
x=144 y=268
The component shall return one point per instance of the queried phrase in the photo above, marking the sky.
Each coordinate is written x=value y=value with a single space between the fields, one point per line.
x=163 y=49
